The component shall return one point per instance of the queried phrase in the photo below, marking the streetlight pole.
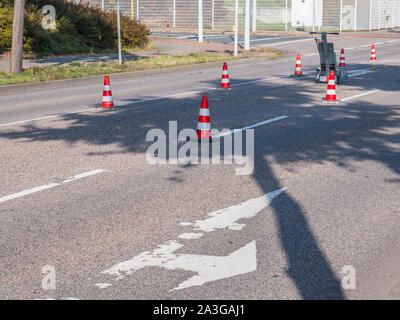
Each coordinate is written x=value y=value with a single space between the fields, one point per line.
x=119 y=34
x=235 y=52
x=254 y=15
x=247 y=26
x=200 y=21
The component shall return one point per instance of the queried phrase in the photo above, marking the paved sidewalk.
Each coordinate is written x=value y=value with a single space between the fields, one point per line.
x=164 y=46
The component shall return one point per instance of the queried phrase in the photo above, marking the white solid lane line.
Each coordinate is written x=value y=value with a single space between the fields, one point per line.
x=49 y=186
x=358 y=95
x=29 y=191
x=284 y=42
x=262 y=39
x=249 y=127
x=43 y=118
x=83 y=175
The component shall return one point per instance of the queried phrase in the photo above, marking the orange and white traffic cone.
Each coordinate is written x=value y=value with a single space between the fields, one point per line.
x=298 y=72
x=225 y=84
x=204 y=125
x=331 y=90
x=342 y=61
x=107 y=95
x=373 y=53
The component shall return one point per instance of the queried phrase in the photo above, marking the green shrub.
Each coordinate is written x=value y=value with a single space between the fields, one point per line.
x=80 y=29
x=5 y=27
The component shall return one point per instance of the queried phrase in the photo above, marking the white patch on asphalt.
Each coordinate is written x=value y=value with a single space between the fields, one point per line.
x=103 y=285
x=208 y=268
x=190 y=235
x=354 y=73
x=49 y=186
x=249 y=127
x=358 y=95
x=186 y=223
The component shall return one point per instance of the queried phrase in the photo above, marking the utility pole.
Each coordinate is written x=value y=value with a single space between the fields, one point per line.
x=17 y=37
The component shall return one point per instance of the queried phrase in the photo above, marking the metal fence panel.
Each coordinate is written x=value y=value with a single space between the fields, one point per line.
x=290 y=15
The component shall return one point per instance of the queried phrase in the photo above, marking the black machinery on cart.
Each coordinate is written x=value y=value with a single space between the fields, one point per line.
x=327 y=57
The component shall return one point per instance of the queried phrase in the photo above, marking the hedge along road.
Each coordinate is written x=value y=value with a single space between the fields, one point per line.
x=339 y=165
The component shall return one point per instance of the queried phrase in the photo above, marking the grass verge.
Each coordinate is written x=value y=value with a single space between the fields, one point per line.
x=76 y=69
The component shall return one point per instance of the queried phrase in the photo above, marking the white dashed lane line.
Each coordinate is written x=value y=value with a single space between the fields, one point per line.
x=358 y=95
x=49 y=186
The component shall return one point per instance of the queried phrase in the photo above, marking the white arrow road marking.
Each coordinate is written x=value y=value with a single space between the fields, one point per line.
x=227 y=218
x=208 y=268
x=49 y=186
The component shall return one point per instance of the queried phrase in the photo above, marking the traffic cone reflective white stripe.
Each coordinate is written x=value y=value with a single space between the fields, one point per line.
x=298 y=71
x=107 y=95
x=331 y=90
x=225 y=77
x=204 y=125
x=373 y=53
x=342 y=62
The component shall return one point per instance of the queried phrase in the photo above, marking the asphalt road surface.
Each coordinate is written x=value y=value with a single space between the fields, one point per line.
x=317 y=218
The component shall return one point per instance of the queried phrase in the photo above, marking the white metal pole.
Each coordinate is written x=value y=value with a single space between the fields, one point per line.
x=236 y=28
x=370 y=15
x=174 y=18
x=102 y=5
x=200 y=21
x=119 y=34
x=341 y=16
x=355 y=15
x=286 y=15
x=137 y=10
x=254 y=15
x=247 y=26
x=212 y=14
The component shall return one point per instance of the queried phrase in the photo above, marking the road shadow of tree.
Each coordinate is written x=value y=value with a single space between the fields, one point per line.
x=356 y=132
